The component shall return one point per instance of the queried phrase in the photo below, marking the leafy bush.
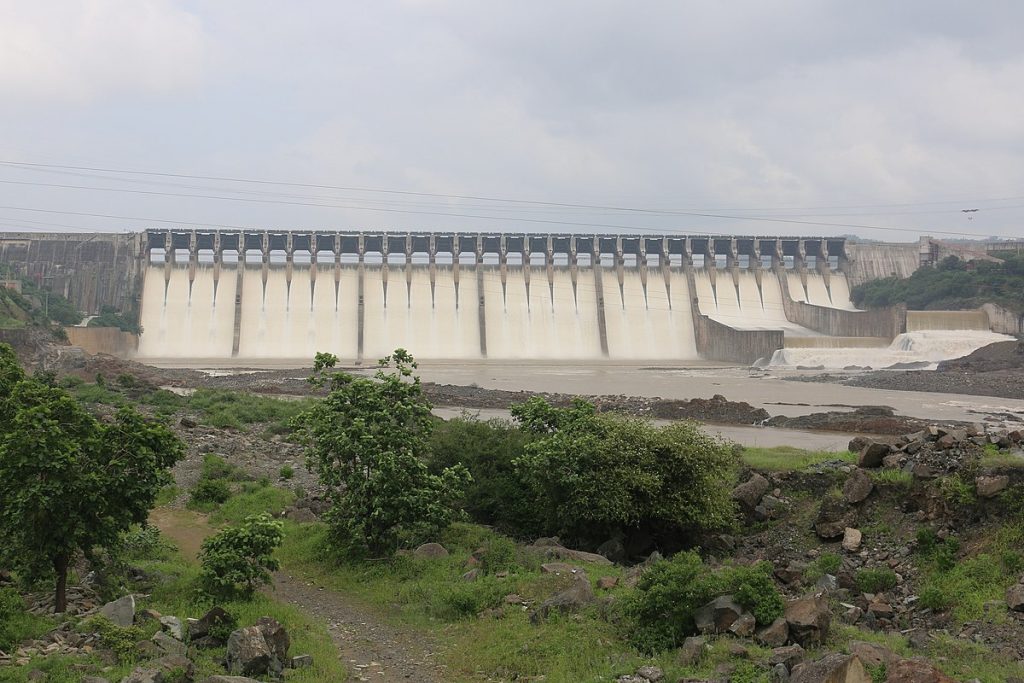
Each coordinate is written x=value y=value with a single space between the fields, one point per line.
x=233 y=409
x=238 y=559
x=660 y=614
x=216 y=467
x=209 y=492
x=826 y=563
x=286 y=472
x=876 y=580
x=592 y=477
x=111 y=317
x=120 y=640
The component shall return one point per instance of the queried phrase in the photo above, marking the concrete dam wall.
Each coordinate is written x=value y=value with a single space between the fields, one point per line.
x=283 y=296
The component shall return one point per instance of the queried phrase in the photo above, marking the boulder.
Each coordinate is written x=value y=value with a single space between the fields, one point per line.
x=718 y=615
x=692 y=650
x=774 y=634
x=788 y=656
x=832 y=668
x=749 y=493
x=791 y=573
x=301 y=515
x=430 y=551
x=177 y=668
x=872 y=454
x=300 y=661
x=607 y=582
x=833 y=517
x=858 y=443
x=915 y=671
x=809 y=620
x=144 y=675
x=200 y=628
x=472 y=574
x=578 y=595
x=558 y=568
x=1015 y=597
x=651 y=673
x=852 y=539
x=744 y=626
x=248 y=652
x=172 y=625
x=872 y=654
x=276 y=636
x=168 y=645
x=857 y=486
x=229 y=679
x=120 y=611
x=558 y=552
x=989 y=487
x=613 y=549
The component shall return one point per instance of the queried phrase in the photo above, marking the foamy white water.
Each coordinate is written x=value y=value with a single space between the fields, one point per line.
x=187 y=319
x=930 y=346
x=654 y=324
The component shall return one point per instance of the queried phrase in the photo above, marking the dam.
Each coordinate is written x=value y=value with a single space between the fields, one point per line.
x=265 y=296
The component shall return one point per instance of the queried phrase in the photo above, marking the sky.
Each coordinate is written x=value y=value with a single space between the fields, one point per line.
x=794 y=117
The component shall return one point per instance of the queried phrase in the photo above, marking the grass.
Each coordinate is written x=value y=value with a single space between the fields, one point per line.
x=16 y=624
x=893 y=477
x=259 y=498
x=784 y=458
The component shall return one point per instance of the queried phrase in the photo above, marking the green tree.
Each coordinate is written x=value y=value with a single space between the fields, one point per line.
x=238 y=559
x=592 y=477
x=69 y=482
x=366 y=441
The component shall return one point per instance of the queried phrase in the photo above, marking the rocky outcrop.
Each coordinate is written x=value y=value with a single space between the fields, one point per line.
x=809 y=620
x=832 y=668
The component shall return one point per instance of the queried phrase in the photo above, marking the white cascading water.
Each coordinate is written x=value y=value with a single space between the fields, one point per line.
x=926 y=348
x=186 y=320
x=658 y=324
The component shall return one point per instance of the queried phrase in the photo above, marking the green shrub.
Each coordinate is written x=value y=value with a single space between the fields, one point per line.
x=499 y=555
x=120 y=640
x=957 y=490
x=209 y=492
x=660 y=613
x=237 y=560
x=876 y=580
x=286 y=472
x=826 y=563
x=216 y=467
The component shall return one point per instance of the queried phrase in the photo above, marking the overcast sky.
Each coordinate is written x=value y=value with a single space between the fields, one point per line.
x=893 y=114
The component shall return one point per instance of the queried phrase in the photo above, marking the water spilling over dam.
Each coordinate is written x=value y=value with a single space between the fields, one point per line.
x=257 y=295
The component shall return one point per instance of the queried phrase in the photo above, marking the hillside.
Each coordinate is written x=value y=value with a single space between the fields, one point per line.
x=952 y=285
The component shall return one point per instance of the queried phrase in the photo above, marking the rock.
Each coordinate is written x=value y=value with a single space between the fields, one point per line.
x=558 y=552
x=650 y=673
x=471 y=575
x=607 y=582
x=827 y=584
x=872 y=654
x=791 y=573
x=692 y=650
x=1015 y=597
x=872 y=454
x=301 y=515
x=187 y=422
x=172 y=625
x=430 y=551
x=613 y=549
x=779 y=674
x=200 y=628
x=737 y=650
x=276 y=636
x=147 y=615
x=915 y=671
x=144 y=675
x=989 y=487
x=832 y=668
x=833 y=518
x=744 y=626
x=880 y=608
x=851 y=539
x=788 y=656
x=809 y=620
x=301 y=661
x=774 y=634
x=121 y=611
x=858 y=443
x=147 y=649
x=857 y=486
x=248 y=652
x=167 y=644
x=558 y=568
x=95 y=679
x=749 y=493
x=578 y=595
x=174 y=667
x=229 y=679
x=718 y=615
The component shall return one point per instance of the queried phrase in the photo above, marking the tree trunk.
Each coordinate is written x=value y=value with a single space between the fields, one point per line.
x=60 y=599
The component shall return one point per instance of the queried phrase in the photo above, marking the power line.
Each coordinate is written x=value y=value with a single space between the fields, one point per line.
x=574 y=205
x=541 y=221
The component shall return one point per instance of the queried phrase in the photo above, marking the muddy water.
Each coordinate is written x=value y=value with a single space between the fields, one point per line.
x=770 y=392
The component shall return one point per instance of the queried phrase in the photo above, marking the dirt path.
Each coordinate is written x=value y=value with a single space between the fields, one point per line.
x=371 y=649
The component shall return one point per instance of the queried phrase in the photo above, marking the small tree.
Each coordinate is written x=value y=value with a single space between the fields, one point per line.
x=239 y=559
x=67 y=481
x=365 y=440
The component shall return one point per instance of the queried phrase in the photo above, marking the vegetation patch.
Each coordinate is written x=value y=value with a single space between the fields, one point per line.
x=786 y=458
